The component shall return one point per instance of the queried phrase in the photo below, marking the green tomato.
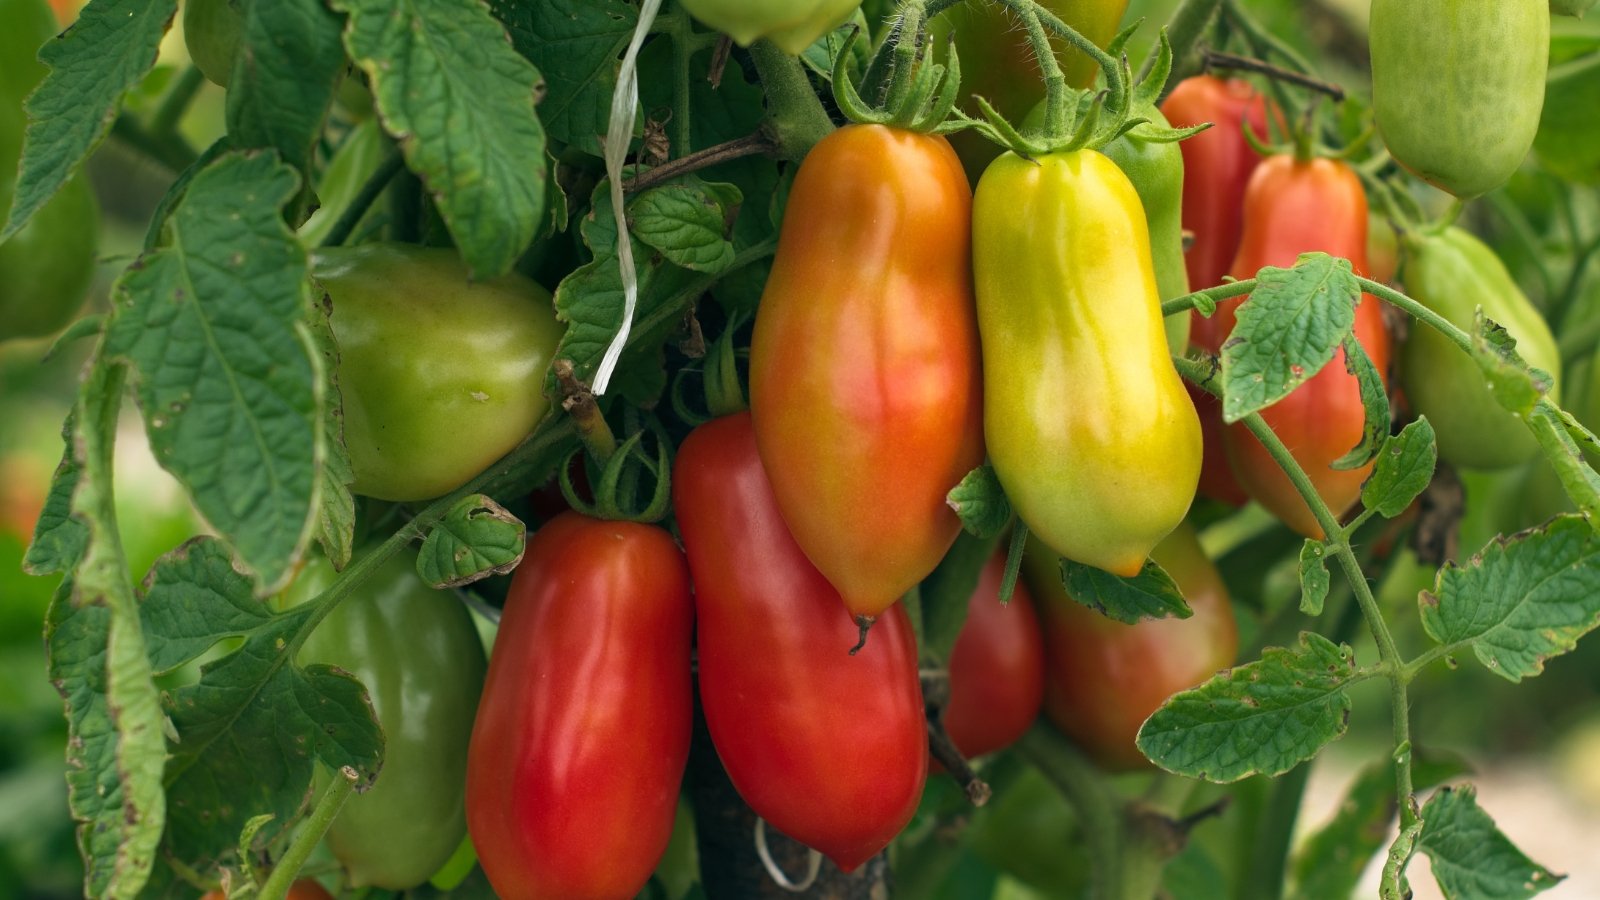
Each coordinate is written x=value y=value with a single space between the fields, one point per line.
x=793 y=25
x=1457 y=86
x=212 y=30
x=419 y=655
x=440 y=375
x=1453 y=274
x=48 y=266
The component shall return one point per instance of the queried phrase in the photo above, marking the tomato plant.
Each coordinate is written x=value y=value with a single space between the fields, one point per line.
x=1487 y=67
x=419 y=655
x=905 y=317
x=996 y=667
x=563 y=799
x=782 y=692
x=440 y=376
x=1104 y=678
x=1062 y=261
x=1294 y=207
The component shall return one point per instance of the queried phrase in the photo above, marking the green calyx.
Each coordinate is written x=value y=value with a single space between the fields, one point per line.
x=1093 y=118
x=616 y=490
x=921 y=93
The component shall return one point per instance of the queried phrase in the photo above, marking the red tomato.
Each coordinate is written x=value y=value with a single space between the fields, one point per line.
x=865 y=377
x=1217 y=166
x=831 y=749
x=1104 y=678
x=583 y=731
x=1296 y=207
x=996 y=667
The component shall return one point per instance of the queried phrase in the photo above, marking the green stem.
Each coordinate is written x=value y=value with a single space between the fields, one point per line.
x=681 y=30
x=1091 y=797
x=168 y=150
x=1418 y=311
x=294 y=859
x=903 y=78
x=1217 y=294
x=363 y=200
x=1577 y=341
x=795 y=117
x=165 y=122
x=1189 y=22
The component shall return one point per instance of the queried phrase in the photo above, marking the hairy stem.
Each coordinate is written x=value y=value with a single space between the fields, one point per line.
x=327 y=808
x=795 y=117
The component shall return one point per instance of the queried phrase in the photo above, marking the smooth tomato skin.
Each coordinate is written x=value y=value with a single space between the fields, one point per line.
x=419 y=655
x=1457 y=87
x=831 y=749
x=1217 y=163
x=865 y=373
x=793 y=25
x=1086 y=421
x=1104 y=678
x=996 y=667
x=1455 y=274
x=1296 y=207
x=582 y=735
x=440 y=375
x=997 y=61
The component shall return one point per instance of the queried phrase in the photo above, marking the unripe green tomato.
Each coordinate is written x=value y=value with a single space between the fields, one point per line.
x=1457 y=86
x=793 y=25
x=440 y=375
x=420 y=657
x=1453 y=274
x=212 y=30
x=47 y=267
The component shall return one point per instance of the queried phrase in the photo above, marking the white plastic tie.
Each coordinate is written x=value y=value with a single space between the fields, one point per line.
x=619 y=133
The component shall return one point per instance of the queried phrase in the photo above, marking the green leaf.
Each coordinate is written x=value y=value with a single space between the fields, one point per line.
x=1577 y=477
x=981 y=503
x=1519 y=600
x=1330 y=862
x=97 y=660
x=947 y=592
x=1404 y=469
x=249 y=731
x=823 y=51
x=105 y=54
x=576 y=45
x=476 y=538
x=336 y=506
x=1513 y=383
x=686 y=222
x=213 y=323
x=460 y=101
x=290 y=61
x=1314 y=581
x=59 y=541
x=1287 y=331
x=1264 y=717
x=1471 y=858
x=1151 y=594
x=1374 y=405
